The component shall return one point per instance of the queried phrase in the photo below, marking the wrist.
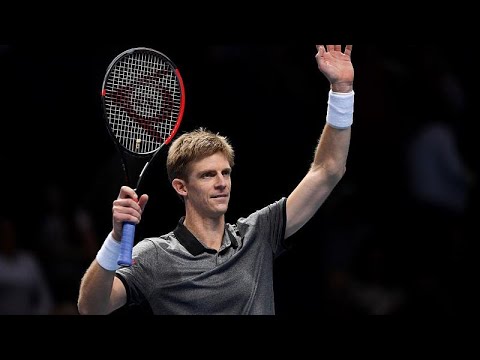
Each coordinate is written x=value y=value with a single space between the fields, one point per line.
x=340 y=109
x=107 y=256
x=115 y=236
x=342 y=87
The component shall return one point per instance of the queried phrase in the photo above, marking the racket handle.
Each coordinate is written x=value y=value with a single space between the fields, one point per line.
x=126 y=245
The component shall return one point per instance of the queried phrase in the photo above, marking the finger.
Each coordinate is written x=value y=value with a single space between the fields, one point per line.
x=320 y=49
x=348 y=50
x=123 y=214
x=338 y=47
x=123 y=218
x=330 y=48
x=127 y=192
x=127 y=204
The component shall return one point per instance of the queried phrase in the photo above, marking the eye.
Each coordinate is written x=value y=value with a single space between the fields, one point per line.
x=207 y=175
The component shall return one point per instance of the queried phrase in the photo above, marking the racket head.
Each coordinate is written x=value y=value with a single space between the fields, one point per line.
x=143 y=99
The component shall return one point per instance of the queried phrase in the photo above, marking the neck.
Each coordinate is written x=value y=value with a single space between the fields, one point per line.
x=209 y=231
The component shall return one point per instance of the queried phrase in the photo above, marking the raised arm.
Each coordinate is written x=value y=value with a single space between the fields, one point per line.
x=329 y=163
x=100 y=291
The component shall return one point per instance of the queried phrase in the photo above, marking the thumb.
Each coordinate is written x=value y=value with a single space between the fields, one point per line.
x=143 y=201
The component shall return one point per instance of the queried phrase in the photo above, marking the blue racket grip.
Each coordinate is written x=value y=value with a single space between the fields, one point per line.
x=126 y=245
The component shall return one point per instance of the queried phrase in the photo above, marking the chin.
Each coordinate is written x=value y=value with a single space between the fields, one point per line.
x=224 y=210
x=221 y=210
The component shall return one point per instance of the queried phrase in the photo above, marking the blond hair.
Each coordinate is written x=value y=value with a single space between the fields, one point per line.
x=193 y=146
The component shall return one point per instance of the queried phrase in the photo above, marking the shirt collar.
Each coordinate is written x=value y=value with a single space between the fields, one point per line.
x=192 y=244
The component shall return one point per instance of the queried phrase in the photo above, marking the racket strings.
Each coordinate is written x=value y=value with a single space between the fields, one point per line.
x=143 y=100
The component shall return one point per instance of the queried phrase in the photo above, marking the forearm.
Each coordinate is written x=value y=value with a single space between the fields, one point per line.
x=332 y=152
x=100 y=291
x=328 y=166
x=333 y=146
x=95 y=291
x=326 y=171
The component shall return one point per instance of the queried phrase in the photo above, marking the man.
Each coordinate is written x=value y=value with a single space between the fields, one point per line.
x=206 y=266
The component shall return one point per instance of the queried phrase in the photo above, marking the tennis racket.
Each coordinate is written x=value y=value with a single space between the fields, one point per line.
x=143 y=98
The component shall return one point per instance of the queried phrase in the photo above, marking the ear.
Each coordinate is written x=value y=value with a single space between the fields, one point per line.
x=180 y=187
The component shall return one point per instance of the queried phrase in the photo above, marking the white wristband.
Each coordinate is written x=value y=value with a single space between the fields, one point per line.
x=340 y=109
x=107 y=256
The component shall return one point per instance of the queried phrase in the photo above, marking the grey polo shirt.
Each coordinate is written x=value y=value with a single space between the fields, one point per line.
x=176 y=274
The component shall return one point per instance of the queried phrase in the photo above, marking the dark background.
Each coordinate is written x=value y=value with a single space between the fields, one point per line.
x=373 y=248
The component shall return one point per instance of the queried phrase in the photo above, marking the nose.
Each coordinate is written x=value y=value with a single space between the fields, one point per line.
x=221 y=182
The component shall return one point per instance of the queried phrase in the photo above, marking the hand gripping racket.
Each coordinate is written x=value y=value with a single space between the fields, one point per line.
x=143 y=100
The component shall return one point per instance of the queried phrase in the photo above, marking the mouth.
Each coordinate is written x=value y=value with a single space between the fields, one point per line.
x=220 y=196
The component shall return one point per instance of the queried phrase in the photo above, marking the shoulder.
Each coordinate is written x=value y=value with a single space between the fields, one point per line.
x=151 y=243
x=273 y=207
x=277 y=207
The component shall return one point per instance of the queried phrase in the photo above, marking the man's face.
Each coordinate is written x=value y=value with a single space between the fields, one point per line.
x=209 y=185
